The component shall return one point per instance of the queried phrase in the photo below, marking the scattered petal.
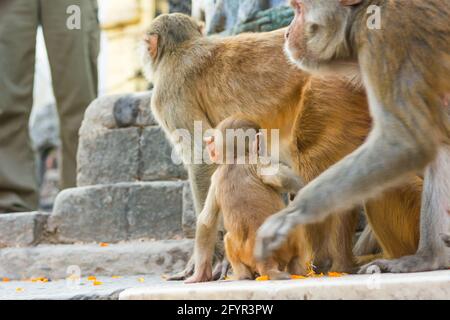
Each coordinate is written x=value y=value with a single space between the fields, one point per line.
x=92 y=278
x=41 y=280
x=117 y=277
x=297 y=277
x=141 y=280
x=97 y=283
x=104 y=244
x=262 y=278
x=6 y=279
x=336 y=274
x=20 y=289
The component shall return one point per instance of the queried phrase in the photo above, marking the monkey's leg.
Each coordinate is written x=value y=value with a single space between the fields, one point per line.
x=385 y=160
x=240 y=270
x=367 y=243
x=432 y=253
x=341 y=242
x=200 y=180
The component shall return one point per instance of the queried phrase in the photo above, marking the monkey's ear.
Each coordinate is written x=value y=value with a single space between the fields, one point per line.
x=201 y=27
x=152 y=41
x=350 y=2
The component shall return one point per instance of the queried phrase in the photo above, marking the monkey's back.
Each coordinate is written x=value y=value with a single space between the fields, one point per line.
x=245 y=201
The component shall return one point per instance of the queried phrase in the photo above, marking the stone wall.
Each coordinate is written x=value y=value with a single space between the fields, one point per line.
x=128 y=186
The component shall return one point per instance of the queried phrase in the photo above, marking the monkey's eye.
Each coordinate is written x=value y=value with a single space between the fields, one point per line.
x=312 y=28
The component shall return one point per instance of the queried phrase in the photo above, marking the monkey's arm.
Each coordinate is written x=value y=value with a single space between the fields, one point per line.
x=205 y=238
x=389 y=155
x=285 y=180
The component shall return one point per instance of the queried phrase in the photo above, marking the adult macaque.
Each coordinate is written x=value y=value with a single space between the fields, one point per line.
x=320 y=122
x=245 y=197
x=405 y=68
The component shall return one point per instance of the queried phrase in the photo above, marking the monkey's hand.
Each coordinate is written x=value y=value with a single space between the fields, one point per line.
x=274 y=232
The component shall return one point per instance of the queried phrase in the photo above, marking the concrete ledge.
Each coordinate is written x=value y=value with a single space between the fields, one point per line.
x=429 y=285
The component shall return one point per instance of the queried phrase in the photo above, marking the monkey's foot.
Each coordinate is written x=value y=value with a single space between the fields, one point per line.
x=201 y=276
x=273 y=233
x=408 y=264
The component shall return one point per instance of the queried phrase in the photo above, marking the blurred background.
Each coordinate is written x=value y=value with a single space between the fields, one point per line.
x=123 y=23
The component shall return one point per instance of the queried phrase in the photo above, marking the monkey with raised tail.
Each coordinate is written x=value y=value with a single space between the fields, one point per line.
x=246 y=197
x=405 y=68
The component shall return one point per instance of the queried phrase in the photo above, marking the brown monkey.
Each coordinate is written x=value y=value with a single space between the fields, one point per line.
x=245 y=197
x=209 y=79
x=406 y=78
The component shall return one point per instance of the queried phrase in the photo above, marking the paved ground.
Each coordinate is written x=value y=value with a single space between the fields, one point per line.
x=430 y=285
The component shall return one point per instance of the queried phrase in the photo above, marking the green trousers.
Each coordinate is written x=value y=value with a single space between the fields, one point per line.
x=72 y=52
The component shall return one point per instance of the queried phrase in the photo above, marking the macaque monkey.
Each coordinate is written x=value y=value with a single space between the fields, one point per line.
x=245 y=197
x=320 y=121
x=405 y=69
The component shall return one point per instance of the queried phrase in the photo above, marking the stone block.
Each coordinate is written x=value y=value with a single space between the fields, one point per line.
x=90 y=214
x=22 y=229
x=156 y=160
x=110 y=156
x=117 y=111
x=112 y=213
x=154 y=210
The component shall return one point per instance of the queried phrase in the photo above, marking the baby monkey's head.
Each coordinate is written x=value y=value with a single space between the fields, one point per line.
x=235 y=140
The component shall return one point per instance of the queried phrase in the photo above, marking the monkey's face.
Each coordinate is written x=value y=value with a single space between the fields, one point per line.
x=316 y=38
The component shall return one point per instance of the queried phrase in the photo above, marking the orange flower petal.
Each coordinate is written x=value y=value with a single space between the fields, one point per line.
x=6 y=279
x=336 y=274
x=103 y=244
x=92 y=278
x=297 y=277
x=263 y=278
x=97 y=283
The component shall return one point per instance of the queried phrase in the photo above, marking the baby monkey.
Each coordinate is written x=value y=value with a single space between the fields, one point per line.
x=246 y=190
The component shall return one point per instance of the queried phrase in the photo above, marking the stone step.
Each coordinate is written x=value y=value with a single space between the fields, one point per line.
x=120 y=142
x=128 y=258
x=22 y=229
x=427 y=285
x=123 y=211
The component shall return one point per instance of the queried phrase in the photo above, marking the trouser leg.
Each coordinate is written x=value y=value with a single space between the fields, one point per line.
x=73 y=56
x=18 y=181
